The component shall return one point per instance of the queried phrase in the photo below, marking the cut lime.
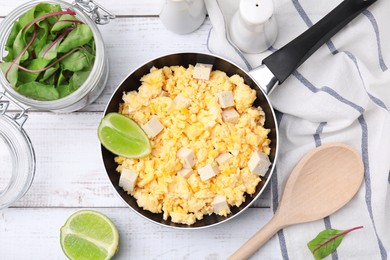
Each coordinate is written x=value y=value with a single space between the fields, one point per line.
x=122 y=136
x=88 y=234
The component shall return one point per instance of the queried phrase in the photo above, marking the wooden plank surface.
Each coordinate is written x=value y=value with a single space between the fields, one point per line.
x=36 y=233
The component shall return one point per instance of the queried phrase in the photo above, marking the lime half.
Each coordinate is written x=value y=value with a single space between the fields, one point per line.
x=88 y=234
x=122 y=136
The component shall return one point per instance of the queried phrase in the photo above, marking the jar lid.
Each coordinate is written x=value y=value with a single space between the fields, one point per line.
x=17 y=157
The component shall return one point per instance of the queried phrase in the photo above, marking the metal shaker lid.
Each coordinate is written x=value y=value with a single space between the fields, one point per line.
x=253 y=27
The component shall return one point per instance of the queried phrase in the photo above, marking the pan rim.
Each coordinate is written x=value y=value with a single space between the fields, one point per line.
x=271 y=170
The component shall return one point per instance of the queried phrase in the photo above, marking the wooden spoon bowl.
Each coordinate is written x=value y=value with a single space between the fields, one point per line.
x=321 y=183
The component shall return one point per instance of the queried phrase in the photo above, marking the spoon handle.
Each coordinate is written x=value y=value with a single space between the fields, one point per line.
x=257 y=240
x=283 y=62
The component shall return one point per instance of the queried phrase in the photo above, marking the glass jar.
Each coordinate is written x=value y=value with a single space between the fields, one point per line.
x=17 y=157
x=95 y=83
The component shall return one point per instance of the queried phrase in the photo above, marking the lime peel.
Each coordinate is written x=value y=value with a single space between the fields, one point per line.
x=123 y=136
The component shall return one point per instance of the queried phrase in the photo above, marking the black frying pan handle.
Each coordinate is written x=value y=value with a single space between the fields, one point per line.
x=284 y=61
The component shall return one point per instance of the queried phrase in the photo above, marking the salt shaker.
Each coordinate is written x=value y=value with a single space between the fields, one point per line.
x=253 y=27
x=183 y=16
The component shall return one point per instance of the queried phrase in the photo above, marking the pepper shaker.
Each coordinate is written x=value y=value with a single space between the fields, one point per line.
x=253 y=27
x=183 y=16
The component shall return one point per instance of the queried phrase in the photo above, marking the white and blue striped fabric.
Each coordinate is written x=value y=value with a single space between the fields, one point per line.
x=340 y=94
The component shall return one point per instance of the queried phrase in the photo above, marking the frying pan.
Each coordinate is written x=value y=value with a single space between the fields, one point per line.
x=275 y=69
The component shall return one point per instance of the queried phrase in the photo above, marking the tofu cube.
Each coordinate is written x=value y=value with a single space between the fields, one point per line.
x=219 y=203
x=230 y=116
x=207 y=172
x=185 y=172
x=226 y=99
x=259 y=163
x=181 y=99
x=153 y=127
x=187 y=157
x=202 y=71
x=235 y=152
x=223 y=158
x=128 y=179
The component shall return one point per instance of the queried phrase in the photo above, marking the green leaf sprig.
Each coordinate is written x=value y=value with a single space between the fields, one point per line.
x=327 y=241
x=50 y=53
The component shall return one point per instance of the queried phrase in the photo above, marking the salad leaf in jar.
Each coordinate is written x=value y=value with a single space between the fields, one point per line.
x=50 y=53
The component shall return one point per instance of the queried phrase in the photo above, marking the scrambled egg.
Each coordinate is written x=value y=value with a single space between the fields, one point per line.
x=200 y=127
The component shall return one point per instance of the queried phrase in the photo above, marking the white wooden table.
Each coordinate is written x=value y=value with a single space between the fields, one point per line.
x=70 y=175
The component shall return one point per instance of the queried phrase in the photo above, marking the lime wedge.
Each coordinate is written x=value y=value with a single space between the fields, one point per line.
x=88 y=234
x=122 y=136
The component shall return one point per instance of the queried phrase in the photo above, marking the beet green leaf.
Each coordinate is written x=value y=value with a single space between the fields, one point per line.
x=49 y=53
x=327 y=241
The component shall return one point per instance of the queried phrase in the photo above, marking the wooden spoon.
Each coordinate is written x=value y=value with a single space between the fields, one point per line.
x=321 y=183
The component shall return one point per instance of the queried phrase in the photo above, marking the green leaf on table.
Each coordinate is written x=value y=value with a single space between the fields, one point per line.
x=327 y=241
x=60 y=25
x=81 y=35
x=39 y=91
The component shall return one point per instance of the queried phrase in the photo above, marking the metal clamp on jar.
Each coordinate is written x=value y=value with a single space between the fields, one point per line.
x=17 y=157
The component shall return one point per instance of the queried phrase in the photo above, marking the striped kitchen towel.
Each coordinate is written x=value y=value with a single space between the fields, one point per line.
x=340 y=94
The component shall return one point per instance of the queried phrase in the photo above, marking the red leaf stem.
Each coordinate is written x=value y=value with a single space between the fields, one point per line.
x=67 y=11
x=82 y=47
x=71 y=21
x=21 y=53
x=50 y=65
x=63 y=34
x=335 y=237
x=33 y=54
